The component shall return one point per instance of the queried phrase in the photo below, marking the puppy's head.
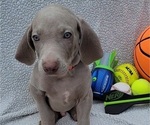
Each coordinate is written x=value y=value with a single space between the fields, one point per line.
x=60 y=40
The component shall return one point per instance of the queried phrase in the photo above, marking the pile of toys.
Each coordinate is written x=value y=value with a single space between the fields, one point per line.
x=121 y=86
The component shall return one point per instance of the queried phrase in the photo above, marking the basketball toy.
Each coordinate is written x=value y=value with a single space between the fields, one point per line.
x=126 y=73
x=102 y=75
x=142 y=54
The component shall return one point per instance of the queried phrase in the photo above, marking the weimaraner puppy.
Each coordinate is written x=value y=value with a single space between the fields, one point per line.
x=61 y=81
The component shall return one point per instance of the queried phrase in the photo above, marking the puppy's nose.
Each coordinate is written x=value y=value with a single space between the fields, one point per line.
x=50 y=67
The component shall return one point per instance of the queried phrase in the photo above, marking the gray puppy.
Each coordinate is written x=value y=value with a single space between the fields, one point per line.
x=64 y=45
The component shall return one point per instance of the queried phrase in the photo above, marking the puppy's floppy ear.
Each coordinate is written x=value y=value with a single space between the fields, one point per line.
x=90 y=48
x=26 y=51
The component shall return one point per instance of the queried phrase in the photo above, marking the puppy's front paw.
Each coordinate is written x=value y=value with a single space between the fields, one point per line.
x=44 y=124
x=73 y=114
x=40 y=123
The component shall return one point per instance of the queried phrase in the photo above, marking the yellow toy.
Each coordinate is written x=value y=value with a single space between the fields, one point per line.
x=126 y=73
x=140 y=86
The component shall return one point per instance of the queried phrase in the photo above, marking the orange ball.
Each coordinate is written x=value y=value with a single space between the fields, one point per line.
x=142 y=54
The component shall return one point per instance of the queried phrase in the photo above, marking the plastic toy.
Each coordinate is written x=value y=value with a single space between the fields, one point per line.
x=102 y=74
x=116 y=102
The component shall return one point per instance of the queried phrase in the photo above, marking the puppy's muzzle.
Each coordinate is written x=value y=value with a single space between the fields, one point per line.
x=50 y=66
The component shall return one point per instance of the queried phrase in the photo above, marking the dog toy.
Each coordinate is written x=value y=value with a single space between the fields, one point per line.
x=140 y=86
x=142 y=54
x=123 y=87
x=116 y=102
x=126 y=73
x=102 y=74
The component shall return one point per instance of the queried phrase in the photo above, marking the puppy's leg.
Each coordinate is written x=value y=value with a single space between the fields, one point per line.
x=83 y=109
x=46 y=113
x=73 y=113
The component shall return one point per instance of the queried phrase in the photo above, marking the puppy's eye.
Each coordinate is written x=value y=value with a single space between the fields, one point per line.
x=36 y=37
x=67 y=35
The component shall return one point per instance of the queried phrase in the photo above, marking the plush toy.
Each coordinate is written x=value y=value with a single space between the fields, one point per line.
x=122 y=87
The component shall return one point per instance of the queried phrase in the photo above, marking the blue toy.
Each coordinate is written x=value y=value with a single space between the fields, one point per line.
x=102 y=74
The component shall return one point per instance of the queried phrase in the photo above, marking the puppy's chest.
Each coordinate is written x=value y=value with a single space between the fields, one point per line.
x=62 y=96
x=61 y=89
